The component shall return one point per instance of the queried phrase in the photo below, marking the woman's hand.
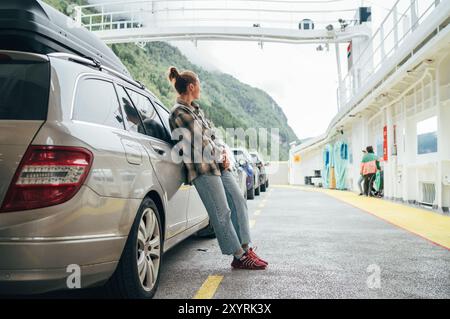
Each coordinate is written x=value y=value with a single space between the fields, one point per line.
x=225 y=160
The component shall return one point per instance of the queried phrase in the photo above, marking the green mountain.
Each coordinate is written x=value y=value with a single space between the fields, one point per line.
x=228 y=102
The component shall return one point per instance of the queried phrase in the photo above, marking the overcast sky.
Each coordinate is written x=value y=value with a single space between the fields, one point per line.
x=302 y=81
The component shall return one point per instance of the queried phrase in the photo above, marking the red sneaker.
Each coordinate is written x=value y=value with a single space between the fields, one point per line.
x=247 y=262
x=252 y=253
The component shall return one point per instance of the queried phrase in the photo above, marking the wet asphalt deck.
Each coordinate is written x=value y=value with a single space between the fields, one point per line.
x=317 y=247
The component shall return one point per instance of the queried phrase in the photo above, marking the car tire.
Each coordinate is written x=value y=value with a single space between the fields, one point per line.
x=207 y=232
x=263 y=187
x=143 y=250
x=251 y=193
x=257 y=191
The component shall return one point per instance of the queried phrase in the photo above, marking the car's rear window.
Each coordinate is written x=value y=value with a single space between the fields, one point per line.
x=24 y=89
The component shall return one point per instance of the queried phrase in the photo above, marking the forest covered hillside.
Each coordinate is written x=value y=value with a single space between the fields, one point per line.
x=228 y=102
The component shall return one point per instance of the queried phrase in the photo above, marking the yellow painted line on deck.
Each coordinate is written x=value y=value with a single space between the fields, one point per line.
x=426 y=224
x=261 y=205
x=252 y=223
x=257 y=212
x=209 y=287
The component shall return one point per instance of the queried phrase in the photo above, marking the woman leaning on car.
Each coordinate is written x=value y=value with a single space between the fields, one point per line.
x=208 y=169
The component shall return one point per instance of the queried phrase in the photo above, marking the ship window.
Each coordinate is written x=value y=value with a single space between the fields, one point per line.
x=427 y=136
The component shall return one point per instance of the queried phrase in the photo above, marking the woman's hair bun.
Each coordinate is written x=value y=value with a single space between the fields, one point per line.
x=180 y=81
x=173 y=73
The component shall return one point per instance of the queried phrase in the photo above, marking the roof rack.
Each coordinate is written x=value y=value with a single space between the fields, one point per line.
x=92 y=62
x=34 y=26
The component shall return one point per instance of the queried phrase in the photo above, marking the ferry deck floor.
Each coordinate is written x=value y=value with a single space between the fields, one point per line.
x=321 y=244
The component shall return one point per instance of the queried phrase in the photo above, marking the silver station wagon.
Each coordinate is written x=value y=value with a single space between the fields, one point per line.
x=87 y=180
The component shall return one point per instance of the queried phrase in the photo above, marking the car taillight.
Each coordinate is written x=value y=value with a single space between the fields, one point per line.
x=46 y=176
x=4 y=57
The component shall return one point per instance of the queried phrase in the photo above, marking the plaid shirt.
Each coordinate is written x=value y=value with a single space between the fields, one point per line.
x=198 y=160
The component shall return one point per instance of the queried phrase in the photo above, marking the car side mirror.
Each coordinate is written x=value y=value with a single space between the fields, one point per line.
x=242 y=162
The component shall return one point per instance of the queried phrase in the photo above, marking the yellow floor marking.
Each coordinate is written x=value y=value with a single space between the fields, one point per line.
x=209 y=287
x=427 y=224
x=184 y=187
x=261 y=205
x=252 y=222
x=257 y=212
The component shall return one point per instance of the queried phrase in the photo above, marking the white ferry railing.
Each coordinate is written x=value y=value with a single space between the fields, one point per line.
x=257 y=13
x=399 y=23
x=402 y=19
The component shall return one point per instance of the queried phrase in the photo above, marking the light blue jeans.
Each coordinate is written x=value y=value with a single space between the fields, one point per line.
x=227 y=210
x=360 y=181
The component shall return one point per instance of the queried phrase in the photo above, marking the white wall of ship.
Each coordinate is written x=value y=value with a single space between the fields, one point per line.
x=423 y=110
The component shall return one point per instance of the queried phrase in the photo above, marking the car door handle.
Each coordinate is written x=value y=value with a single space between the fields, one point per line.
x=158 y=150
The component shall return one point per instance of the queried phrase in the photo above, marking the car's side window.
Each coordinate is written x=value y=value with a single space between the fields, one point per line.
x=96 y=102
x=164 y=115
x=131 y=114
x=239 y=155
x=152 y=125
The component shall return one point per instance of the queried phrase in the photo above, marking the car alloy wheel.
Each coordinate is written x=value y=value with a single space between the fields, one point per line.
x=137 y=274
x=148 y=249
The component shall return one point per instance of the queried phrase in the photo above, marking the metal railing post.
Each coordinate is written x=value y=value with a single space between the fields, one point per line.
x=78 y=17
x=338 y=98
x=338 y=63
x=414 y=18
x=395 y=15
x=383 y=53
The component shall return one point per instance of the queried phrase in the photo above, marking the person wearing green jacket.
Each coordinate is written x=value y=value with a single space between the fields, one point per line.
x=369 y=167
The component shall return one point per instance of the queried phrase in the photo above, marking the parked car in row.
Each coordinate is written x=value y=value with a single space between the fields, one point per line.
x=245 y=160
x=238 y=171
x=91 y=182
x=87 y=179
x=259 y=162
